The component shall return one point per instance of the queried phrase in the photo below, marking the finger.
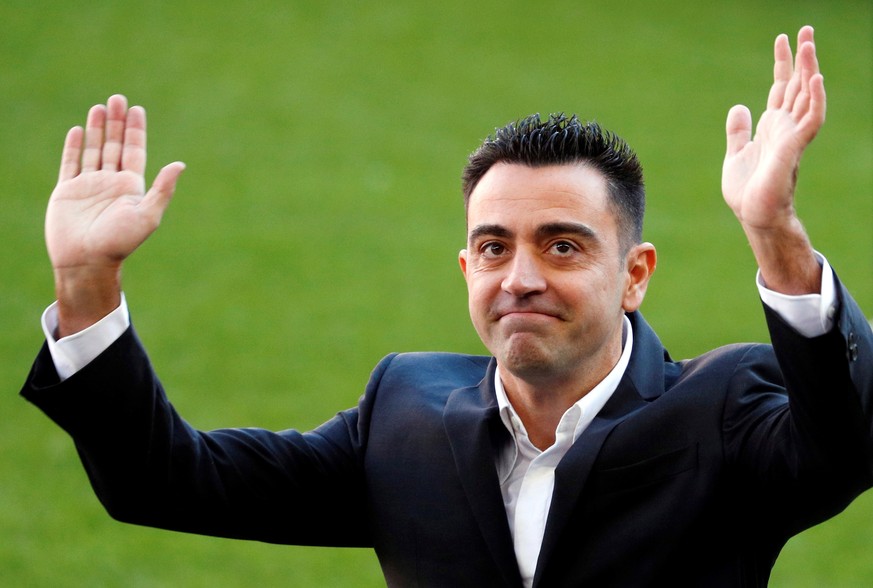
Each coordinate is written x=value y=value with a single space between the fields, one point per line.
x=134 y=151
x=783 y=70
x=805 y=65
x=738 y=129
x=817 y=98
x=809 y=106
x=797 y=101
x=792 y=92
x=159 y=195
x=93 y=138
x=814 y=117
x=71 y=156
x=806 y=34
x=116 y=113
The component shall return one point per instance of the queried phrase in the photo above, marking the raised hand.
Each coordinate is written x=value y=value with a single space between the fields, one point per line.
x=759 y=174
x=100 y=212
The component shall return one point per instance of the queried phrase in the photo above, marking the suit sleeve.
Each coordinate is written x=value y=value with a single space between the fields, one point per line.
x=149 y=467
x=801 y=427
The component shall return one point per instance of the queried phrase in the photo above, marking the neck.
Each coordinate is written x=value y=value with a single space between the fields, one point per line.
x=541 y=399
x=541 y=405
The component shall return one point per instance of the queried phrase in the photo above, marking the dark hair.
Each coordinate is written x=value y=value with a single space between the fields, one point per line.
x=566 y=141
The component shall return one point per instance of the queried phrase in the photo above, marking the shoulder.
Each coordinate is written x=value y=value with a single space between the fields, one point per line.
x=739 y=367
x=416 y=387
x=432 y=369
x=730 y=357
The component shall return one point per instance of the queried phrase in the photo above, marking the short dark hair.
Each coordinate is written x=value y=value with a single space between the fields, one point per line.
x=565 y=141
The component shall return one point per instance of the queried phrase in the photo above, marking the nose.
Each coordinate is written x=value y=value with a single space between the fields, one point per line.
x=525 y=276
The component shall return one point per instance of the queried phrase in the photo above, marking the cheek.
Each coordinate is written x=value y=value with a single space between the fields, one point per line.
x=593 y=293
x=480 y=298
x=477 y=300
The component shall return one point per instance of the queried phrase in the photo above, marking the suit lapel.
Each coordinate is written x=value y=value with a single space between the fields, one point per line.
x=473 y=427
x=642 y=381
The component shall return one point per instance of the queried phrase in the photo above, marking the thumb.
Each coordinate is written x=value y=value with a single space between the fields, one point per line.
x=738 y=129
x=159 y=195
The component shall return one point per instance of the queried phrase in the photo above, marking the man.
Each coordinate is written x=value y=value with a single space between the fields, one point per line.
x=579 y=455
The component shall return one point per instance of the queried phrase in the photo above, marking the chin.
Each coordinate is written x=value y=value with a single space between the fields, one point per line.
x=526 y=361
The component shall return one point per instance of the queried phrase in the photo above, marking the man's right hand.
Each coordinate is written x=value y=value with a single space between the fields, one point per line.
x=100 y=212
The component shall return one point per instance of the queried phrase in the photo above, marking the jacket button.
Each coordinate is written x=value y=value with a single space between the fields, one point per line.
x=852 y=350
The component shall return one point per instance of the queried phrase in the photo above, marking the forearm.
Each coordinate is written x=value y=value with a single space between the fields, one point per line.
x=803 y=425
x=830 y=381
x=830 y=387
x=786 y=258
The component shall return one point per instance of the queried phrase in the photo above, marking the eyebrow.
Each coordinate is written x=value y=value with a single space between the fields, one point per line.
x=566 y=228
x=543 y=231
x=489 y=231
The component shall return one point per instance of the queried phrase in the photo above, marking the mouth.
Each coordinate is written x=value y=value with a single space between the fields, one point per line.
x=526 y=315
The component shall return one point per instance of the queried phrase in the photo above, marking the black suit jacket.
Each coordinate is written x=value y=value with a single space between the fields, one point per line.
x=693 y=473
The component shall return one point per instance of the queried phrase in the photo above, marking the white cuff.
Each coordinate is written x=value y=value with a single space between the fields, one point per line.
x=72 y=353
x=810 y=315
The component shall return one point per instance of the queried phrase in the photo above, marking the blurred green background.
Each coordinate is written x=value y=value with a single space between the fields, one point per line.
x=319 y=220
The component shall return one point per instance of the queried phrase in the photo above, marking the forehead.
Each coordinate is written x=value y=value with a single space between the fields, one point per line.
x=515 y=195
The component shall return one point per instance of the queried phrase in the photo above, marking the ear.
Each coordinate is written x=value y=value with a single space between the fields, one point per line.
x=462 y=261
x=641 y=261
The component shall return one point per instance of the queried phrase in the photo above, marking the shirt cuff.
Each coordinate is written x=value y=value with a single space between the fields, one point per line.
x=70 y=354
x=810 y=315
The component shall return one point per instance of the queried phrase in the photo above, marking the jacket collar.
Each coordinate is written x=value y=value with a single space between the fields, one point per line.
x=474 y=429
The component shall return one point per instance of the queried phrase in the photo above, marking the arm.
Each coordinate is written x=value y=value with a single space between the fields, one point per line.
x=150 y=467
x=810 y=456
x=760 y=172
x=146 y=464
x=100 y=211
x=798 y=421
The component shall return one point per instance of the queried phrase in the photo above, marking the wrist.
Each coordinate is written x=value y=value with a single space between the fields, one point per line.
x=85 y=295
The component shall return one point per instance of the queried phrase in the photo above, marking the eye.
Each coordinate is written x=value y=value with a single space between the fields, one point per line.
x=492 y=249
x=563 y=248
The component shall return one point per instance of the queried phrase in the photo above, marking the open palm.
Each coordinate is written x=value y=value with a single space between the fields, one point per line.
x=100 y=212
x=759 y=174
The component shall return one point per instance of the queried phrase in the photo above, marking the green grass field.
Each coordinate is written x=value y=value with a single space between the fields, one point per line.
x=319 y=219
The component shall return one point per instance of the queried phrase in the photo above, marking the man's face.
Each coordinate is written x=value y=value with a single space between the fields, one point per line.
x=548 y=283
